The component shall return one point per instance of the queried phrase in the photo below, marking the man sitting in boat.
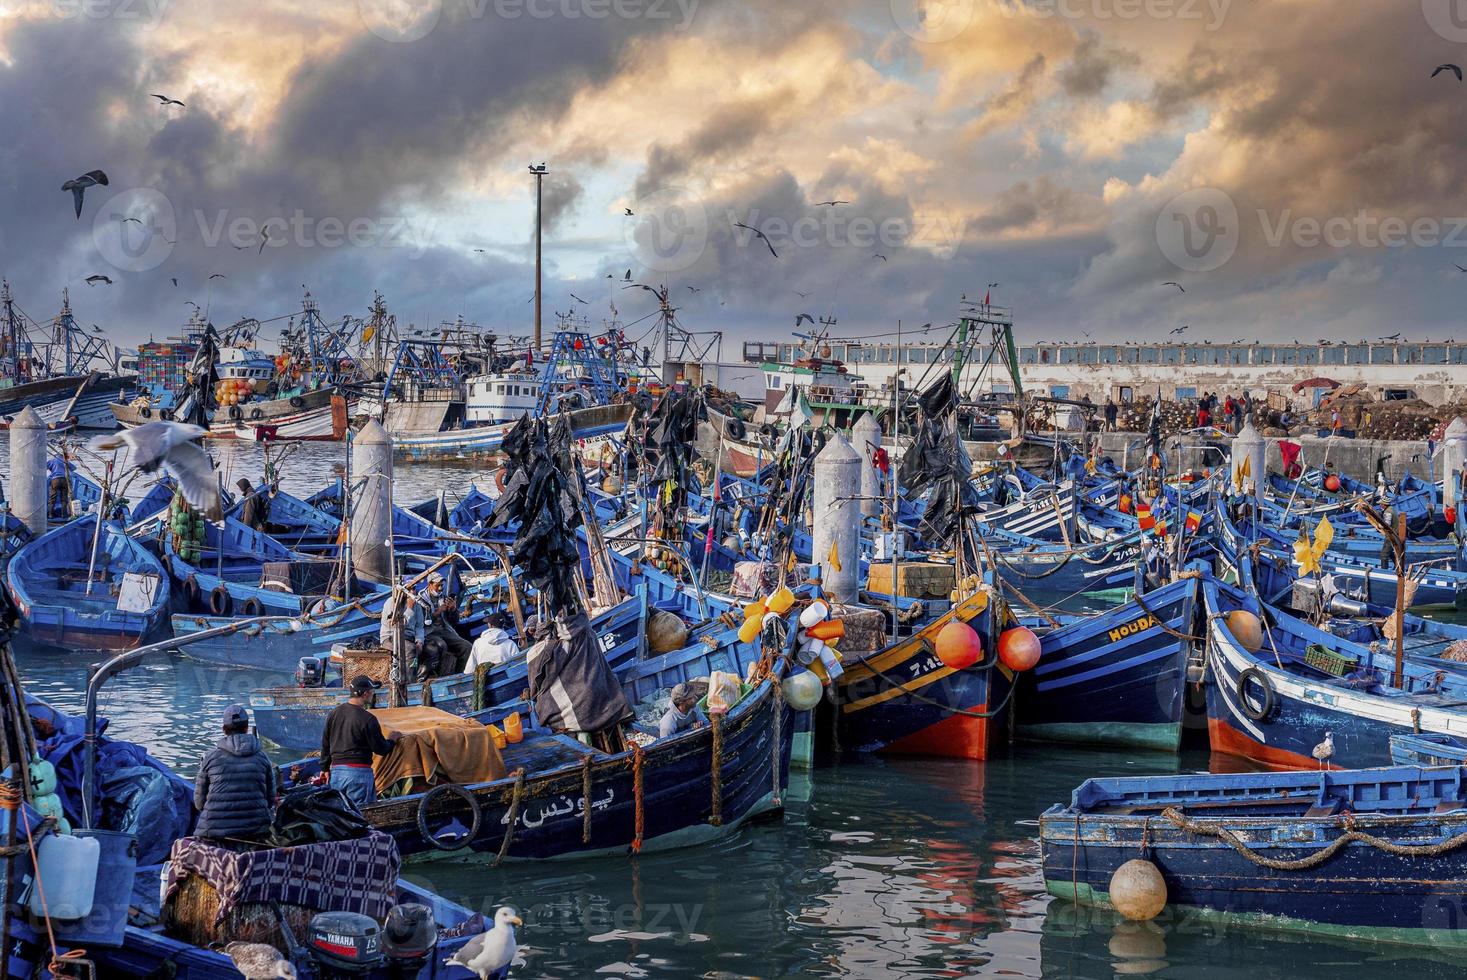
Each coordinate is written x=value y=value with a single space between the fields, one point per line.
x=683 y=713
x=444 y=649
x=255 y=510
x=352 y=736
x=234 y=791
x=495 y=646
x=402 y=615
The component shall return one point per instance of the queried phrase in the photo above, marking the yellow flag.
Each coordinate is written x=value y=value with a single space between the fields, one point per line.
x=1324 y=535
x=833 y=560
x=1304 y=555
x=368 y=333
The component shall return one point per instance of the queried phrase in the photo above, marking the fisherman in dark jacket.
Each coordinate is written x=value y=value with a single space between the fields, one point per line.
x=234 y=791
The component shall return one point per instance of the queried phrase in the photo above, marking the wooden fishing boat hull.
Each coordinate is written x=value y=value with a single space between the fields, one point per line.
x=1115 y=679
x=60 y=405
x=294 y=717
x=1280 y=729
x=485 y=441
x=1359 y=892
x=314 y=416
x=1428 y=750
x=46 y=581
x=903 y=700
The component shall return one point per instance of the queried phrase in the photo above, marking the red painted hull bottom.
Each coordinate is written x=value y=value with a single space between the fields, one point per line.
x=957 y=737
x=1227 y=740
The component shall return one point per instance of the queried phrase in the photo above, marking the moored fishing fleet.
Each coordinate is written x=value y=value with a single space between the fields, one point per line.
x=657 y=595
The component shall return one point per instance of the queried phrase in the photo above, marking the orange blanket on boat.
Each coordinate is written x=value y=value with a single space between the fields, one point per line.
x=434 y=747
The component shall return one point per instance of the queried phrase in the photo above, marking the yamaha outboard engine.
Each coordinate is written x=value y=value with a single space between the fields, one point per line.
x=409 y=939
x=310 y=672
x=344 y=944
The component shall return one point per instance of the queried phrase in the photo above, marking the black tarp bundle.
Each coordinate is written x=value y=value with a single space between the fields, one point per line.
x=671 y=432
x=938 y=465
x=571 y=683
x=538 y=498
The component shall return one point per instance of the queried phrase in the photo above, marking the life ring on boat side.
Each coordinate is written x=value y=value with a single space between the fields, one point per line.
x=296 y=401
x=734 y=429
x=426 y=803
x=252 y=607
x=165 y=415
x=236 y=413
x=1259 y=713
x=499 y=478
x=145 y=412
x=191 y=591
x=256 y=414
x=221 y=603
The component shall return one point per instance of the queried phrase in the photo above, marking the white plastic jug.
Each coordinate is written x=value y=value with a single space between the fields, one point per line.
x=67 y=875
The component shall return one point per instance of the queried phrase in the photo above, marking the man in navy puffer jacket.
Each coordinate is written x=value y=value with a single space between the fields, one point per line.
x=235 y=789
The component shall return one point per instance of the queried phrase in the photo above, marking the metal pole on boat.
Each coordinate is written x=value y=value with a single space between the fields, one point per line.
x=28 y=471
x=100 y=675
x=346 y=565
x=101 y=516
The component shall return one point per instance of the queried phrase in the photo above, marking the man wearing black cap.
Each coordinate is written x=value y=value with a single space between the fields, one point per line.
x=234 y=791
x=352 y=736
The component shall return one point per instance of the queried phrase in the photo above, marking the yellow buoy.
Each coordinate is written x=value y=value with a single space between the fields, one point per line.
x=1137 y=890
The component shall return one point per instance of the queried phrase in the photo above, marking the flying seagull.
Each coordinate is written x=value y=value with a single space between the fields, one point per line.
x=1181 y=329
x=993 y=285
x=174 y=447
x=490 y=954
x=579 y=300
x=258 y=961
x=1394 y=336
x=137 y=220
x=1454 y=69
x=801 y=318
x=175 y=283
x=78 y=186
x=93 y=280
x=878 y=255
x=218 y=275
x=165 y=100
x=189 y=302
x=1459 y=268
x=694 y=289
x=801 y=295
x=478 y=250
x=830 y=204
x=627 y=277
x=759 y=234
x=240 y=248
x=1177 y=284
x=264 y=238
x=629 y=212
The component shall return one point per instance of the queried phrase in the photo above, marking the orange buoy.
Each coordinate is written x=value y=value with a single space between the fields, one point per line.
x=1246 y=629
x=1450 y=514
x=1018 y=648
x=1332 y=483
x=958 y=645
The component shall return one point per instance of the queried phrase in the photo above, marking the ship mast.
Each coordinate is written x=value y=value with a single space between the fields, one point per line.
x=12 y=333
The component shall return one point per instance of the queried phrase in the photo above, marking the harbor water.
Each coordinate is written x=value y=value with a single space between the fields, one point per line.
x=879 y=867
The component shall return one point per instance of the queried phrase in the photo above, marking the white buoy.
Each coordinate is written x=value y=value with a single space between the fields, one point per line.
x=28 y=488
x=866 y=436
x=1454 y=456
x=371 y=507
x=1248 y=460
x=836 y=520
x=1138 y=891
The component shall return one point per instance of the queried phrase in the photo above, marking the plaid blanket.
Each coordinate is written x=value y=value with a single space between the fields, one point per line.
x=338 y=876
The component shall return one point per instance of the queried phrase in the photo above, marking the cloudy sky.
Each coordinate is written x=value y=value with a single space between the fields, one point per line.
x=1291 y=163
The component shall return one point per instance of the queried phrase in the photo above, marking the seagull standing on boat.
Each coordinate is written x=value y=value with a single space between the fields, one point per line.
x=490 y=954
x=171 y=446
x=1325 y=750
x=258 y=961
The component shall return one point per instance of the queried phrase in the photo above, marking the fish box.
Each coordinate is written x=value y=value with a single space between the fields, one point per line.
x=375 y=662
x=915 y=580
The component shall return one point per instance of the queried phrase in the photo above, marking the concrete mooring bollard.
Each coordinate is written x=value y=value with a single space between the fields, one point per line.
x=836 y=526
x=28 y=484
x=371 y=515
x=1454 y=456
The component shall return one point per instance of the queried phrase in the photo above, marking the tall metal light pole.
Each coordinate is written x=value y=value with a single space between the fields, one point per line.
x=539 y=171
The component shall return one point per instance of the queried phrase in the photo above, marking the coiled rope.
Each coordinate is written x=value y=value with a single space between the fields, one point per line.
x=1350 y=836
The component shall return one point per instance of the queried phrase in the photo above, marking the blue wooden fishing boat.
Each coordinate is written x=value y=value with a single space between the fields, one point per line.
x=413 y=534
x=1428 y=750
x=226 y=576
x=903 y=700
x=124 y=599
x=1305 y=687
x=699 y=785
x=1375 y=854
x=294 y=716
x=1114 y=678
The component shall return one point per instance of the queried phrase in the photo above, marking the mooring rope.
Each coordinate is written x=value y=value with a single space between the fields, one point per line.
x=1350 y=836
x=516 y=797
x=716 y=775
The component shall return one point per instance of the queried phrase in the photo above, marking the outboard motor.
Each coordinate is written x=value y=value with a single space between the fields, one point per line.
x=344 y=944
x=310 y=672
x=409 y=939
